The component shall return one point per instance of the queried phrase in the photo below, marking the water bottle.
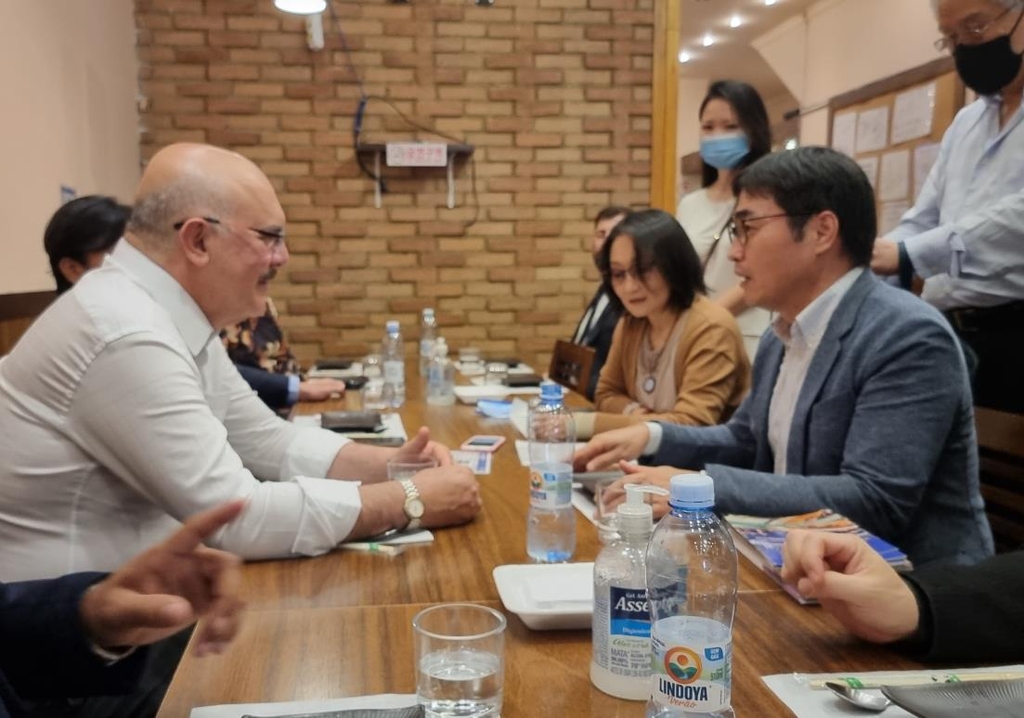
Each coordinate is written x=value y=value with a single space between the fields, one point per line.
x=393 y=360
x=621 y=663
x=691 y=586
x=428 y=335
x=440 y=377
x=550 y=524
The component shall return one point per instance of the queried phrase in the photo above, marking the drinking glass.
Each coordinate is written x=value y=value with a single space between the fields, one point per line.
x=495 y=373
x=405 y=467
x=373 y=395
x=459 y=653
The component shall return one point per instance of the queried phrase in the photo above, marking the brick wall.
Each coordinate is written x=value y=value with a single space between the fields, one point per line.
x=554 y=94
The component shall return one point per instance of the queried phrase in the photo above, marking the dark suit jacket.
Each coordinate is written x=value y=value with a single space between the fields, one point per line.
x=43 y=651
x=883 y=432
x=599 y=336
x=270 y=387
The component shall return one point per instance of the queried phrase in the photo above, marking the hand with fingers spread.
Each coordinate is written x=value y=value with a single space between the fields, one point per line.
x=169 y=587
x=654 y=475
x=852 y=582
x=610 y=447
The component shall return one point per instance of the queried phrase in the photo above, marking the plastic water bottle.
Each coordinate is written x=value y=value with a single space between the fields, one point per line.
x=691 y=586
x=550 y=524
x=428 y=335
x=440 y=376
x=393 y=359
x=621 y=664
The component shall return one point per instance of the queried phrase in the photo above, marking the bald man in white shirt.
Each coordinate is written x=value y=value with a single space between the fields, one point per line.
x=121 y=414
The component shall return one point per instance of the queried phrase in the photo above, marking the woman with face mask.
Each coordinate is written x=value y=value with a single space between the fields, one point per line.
x=734 y=134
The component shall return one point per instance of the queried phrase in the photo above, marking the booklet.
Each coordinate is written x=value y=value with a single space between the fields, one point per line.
x=760 y=539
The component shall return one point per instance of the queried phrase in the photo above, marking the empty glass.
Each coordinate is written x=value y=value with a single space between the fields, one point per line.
x=495 y=373
x=404 y=467
x=459 y=653
x=373 y=394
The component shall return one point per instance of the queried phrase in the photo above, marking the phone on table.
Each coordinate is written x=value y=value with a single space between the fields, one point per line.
x=352 y=421
x=482 y=442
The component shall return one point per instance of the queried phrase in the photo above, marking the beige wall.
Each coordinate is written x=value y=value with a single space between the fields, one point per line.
x=69 y=76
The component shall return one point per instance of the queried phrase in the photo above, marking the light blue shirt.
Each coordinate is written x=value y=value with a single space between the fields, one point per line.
x=965 y=234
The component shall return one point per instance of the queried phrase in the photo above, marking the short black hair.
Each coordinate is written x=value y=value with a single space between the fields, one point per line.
x=84 y=225
x=661 y=243
x=751 y=115
x=610 y=212
x=809 y=180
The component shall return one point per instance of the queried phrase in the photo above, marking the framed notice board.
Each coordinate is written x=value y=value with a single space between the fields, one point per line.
x=893 y=128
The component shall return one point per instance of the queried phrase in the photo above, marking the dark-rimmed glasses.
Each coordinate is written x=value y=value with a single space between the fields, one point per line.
x=273 y=239
x=739 y=231
x=973 y=34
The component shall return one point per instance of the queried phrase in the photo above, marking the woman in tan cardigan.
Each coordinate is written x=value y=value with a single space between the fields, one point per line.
x=676 y=356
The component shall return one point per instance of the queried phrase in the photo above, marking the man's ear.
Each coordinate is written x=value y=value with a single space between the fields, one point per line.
x=192 y=238
x=823 y=231
x=72 y=269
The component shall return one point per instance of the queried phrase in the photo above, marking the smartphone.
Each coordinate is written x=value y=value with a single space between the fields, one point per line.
x=482 y=442
x=358 y=421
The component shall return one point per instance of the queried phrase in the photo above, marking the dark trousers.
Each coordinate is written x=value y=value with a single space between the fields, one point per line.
x=993 y=340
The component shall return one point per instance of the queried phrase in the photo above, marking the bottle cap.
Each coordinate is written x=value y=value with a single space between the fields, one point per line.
x=635 y=515
x=550 y=392
x=428 y=312
x=692 y=491
x=391 y=326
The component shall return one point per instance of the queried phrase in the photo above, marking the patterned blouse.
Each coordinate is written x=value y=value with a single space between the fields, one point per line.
x=260 y=343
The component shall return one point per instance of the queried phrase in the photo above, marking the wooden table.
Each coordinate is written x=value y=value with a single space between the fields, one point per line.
x=340 y=625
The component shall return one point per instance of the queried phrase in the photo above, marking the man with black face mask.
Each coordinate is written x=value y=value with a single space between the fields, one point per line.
x=965 y=234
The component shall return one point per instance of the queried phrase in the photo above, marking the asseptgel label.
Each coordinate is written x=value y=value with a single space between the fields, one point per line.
x=629 y=640
x=550 y=489
x=688 y=674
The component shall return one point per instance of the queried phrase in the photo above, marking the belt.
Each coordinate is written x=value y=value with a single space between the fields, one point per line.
x=985 y=319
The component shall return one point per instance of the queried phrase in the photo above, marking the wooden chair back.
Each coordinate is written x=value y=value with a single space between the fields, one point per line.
x=571 y=365
x=1001 y=455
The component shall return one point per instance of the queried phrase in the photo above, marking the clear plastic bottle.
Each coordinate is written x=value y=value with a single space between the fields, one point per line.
x=440 y=377
x=691 y=586
x=428 y=335
x=551 y=524
x=621 y=663
x=393 y=361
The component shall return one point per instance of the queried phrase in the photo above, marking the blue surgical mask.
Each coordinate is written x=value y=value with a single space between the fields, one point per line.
x=724 y=152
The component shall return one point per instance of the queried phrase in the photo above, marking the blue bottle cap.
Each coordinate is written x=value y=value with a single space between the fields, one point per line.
x=692 y=491
x=391 y=326
x=550 y=392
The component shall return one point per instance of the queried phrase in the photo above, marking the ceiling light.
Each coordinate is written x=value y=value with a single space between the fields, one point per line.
x=684 y=56
x=770 y=2
x=735 y=21
x=301 y=7
x=708 y=40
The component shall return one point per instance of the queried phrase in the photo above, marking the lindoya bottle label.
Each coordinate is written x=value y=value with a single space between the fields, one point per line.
x=393 y=371
x=550 y=489
x=629 y=632
x=691 y=674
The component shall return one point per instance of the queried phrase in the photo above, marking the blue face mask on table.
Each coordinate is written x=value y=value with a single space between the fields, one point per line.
x=724 y=152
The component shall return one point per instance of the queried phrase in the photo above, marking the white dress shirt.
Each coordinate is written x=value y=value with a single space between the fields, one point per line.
x=121 y=415
x=965 y=233
x=590 y=318
x=801 y=339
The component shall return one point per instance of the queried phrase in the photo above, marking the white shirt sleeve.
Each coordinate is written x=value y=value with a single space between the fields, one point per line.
x=141 y=412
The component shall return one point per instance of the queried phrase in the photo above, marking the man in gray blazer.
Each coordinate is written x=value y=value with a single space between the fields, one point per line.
x=860 y=400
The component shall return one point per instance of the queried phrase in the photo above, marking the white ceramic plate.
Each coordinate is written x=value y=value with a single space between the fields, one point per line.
x=548 y=596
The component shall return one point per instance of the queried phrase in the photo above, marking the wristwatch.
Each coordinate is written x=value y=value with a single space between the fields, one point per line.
x=413 y=507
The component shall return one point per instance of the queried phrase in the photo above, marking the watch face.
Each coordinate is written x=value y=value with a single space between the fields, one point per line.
x=414 y=508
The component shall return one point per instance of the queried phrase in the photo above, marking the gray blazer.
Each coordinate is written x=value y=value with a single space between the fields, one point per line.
x=883 y=432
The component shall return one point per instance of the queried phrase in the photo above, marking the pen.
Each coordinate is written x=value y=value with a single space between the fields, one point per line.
x=915 y=679
x=374 y=547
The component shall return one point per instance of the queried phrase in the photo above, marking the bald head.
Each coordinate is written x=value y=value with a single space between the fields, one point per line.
x=193 y=180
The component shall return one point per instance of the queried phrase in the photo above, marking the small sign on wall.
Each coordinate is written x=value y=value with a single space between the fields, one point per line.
x=417 y=154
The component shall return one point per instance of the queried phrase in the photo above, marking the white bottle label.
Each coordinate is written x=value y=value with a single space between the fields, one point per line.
x=394 y=372
x=628 y=643
x=427 y=347
x=551 y=486
x=691 y=664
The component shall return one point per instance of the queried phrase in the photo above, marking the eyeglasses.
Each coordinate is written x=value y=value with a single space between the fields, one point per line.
x=273 y=239
x=618 y=276
x=972 y=34
x=739 y=229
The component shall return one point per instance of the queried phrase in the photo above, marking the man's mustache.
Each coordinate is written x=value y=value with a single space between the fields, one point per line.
x=271 y=273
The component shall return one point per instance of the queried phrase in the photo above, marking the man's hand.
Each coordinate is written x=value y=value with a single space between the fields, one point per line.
x=450 y=495
x=654 y=475
x=320 y=389
x=610 y=447
x=169 y=587
x=421 y=447
x=852 y=582
x=885 y=257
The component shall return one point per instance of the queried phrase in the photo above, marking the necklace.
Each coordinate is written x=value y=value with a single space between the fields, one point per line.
x=649 y=360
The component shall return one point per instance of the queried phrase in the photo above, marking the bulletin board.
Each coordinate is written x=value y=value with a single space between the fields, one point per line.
x=893 y=128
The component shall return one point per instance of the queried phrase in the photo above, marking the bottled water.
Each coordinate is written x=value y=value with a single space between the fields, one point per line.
x=428 y=335
x=440 y=377
x=621 y=664
x=691 y=586
x=393 y=360
x=551 y=524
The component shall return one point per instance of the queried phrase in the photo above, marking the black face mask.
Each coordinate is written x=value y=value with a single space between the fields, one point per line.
x=990 y=66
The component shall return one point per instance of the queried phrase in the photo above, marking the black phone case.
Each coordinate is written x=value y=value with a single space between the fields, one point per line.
x=352 y=421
